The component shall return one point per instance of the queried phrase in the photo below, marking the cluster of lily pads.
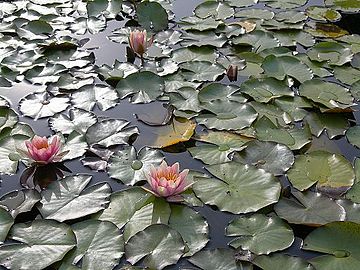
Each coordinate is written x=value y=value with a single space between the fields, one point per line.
x=256 y=91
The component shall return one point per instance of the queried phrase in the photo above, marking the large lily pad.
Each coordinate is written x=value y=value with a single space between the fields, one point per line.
x=130 y=167
x=144 y=86
x=331 y=95
x=309 y=208
x=36 y=238
x=260 y=234
x=281 y=66
x=150 y=243
x=339 y=241
x=152 y=16
x=6 y=221
x=67 y=199
x=218 y=259
x=272 y=157
x=332 y=52
x=110 y=132
x=243 y=188
x=332 y=172
x=281 y=261
x=20 y=201
x=99 y=245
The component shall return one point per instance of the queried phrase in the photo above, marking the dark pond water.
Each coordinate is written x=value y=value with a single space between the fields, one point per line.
x=105 y=52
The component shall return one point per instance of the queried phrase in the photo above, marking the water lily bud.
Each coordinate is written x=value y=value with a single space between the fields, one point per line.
x=166 y=181
x=232 y=73
x=42 y=150
x=139 y=42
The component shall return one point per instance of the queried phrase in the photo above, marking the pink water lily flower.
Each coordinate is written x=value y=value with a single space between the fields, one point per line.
x=139 y=42
x=166 y=181
x=43 y=150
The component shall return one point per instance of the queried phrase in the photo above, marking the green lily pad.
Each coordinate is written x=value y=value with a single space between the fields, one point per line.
x=218 y=259
x=344 y=5
x=211 y=154
x=155 y=239
x=198 y=24
x=284 y=4
x=272 y=157
x=66 y=199
x=130 y=167
x=99 y=246
x=33 y=251
x=354 y=192
x=282 y=66
x=78 y=120
x=332 y=172
x=334 y=124
x=219 y=11
x=260 y=234
x=352 y=134
x=227 y=115
x=331 y=95
x=188 y=54
x=214 y=91
x=339 y=242
x=6 y=222
x=124 y=204
x=152 y=16
x=201 y=71
x=75 y=145
x=243 y=188
x=186 y=99
x=309 y=208
x=264 y=90
x=259 y=40
x=193 y=228
x=144 y=86
x=20 y=201
x=40 y=105
x=281 y=261
x=347 y=75
x=203 y=38
x=110 y=132
x=255 y=13
x=331 y=52
x=323 y=14
x=90 y=95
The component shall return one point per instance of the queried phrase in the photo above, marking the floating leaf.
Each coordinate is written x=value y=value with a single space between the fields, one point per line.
x=332 y=172
x=155 y=239
x=99 y=245
x=20 y=201
x=227 y=115
x=188 y=54
x=344 y=5
x=66 y=199
x=272 y=157
x=332 y=52
x=279 y=67
x=152 y=16
x=243 y=188
x=124 y=204
x=260 y=234
x=193 y=228
x=110 y=132
x=78 y=120
x=202 y=70
x=264 y=90
x=331 y=95
x=339 y=241
x=347 y=75
x=282 y=261
x=284 y=4
x=218 y=259
x=39 y=105
x=33 y=251
x=146 y=87
x=309 y=208
x=87 y=96
x=354 y=193
x=255 y=13
x=179 y=130
x=259 y=40
x=130 y=167
x=214 y=91
x=323 y=14
x=334 y=124
x=6 y=221
x=219 y=11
